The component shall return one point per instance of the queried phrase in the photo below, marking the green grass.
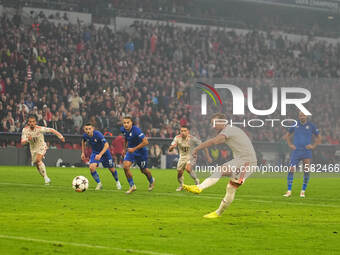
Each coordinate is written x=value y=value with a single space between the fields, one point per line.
x=39 y=219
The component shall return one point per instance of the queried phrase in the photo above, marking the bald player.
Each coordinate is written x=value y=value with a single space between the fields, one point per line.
x=302 y=147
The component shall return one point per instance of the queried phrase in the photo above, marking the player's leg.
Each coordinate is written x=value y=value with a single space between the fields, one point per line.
x=290 y=178
x=126 y=166
x=148 y=175
x=41 y=167
x=226 y=201
x=306 y=176
x=192 y=173
x=180 y=179
x=114 y=173
x=107 y=162
x=180 y=171
x=142 y=163
x=93 y=170
x=219 y=171
x=294 y=161
x=210 y=181
x=238 y=176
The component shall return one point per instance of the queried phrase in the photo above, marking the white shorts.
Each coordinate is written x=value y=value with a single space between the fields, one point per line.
x=41 y=150
x=182 y=164
x=239 y=169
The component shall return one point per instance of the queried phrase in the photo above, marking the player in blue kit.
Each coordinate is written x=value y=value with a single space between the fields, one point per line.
x=135 y=142
x=302 y=147
x=100 y=153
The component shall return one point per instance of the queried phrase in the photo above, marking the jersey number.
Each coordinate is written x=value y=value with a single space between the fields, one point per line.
x=185 y=149
x=142 y=163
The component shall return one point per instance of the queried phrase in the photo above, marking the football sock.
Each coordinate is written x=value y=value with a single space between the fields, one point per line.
x=95 y=176
x=115 y=175
x=150 y=179
x=213 y=179
x=180 y=180
x=42 y=170
x=290 y=180
x=130 y=181
x=228 y=199
x=306 y=176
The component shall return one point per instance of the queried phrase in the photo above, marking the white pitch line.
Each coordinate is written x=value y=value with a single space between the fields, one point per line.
x=180 y=195
x=21 y=238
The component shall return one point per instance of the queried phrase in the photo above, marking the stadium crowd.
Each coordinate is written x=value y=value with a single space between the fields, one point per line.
x=71 y=74
x=234 y=13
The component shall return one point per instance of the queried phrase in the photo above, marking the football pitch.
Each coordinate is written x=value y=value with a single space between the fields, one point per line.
x=39 y=219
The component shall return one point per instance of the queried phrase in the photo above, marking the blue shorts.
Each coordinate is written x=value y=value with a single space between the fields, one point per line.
x=106 y=159
x=298 y=155
x=140 y=158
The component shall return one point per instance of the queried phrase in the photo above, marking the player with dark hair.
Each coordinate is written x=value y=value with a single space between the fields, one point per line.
x=34 y=135
x=135 y=142
x=185 y=143
x=302 y=148
x=100 y=153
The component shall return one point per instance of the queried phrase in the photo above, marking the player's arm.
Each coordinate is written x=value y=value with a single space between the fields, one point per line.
x=173 y=145
x=83 y=145
x=125 y=146
x=24 y=142
x=24 y=138
x=207 y=155
x=288 y=138
x=317 y=141
x=144 y=143
x=58 y=134
x=106 y=146
x=213 y=141
x=206 y=151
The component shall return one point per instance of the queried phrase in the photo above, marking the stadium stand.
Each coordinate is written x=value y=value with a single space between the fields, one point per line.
x=69 y=74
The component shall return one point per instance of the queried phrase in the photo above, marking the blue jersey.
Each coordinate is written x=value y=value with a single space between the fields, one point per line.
x=134 y=137
x=303 y=134
x=97 y=141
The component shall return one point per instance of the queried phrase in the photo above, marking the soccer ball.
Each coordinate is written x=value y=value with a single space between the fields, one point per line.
x=80 y=183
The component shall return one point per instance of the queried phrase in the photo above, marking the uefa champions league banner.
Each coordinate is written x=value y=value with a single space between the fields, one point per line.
x=332 y=5
x=266 y=110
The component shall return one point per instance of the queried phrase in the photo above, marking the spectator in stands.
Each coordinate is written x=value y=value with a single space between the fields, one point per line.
x=2 y=113
x=8 y=123
x=56 y=123
x=114 y=123
x=103 y=121
x=41 y=119
x=18 y=127
x=77 y=120
x=68 y=123
x=47 y=115
x=151 y=87
x=75 y=100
